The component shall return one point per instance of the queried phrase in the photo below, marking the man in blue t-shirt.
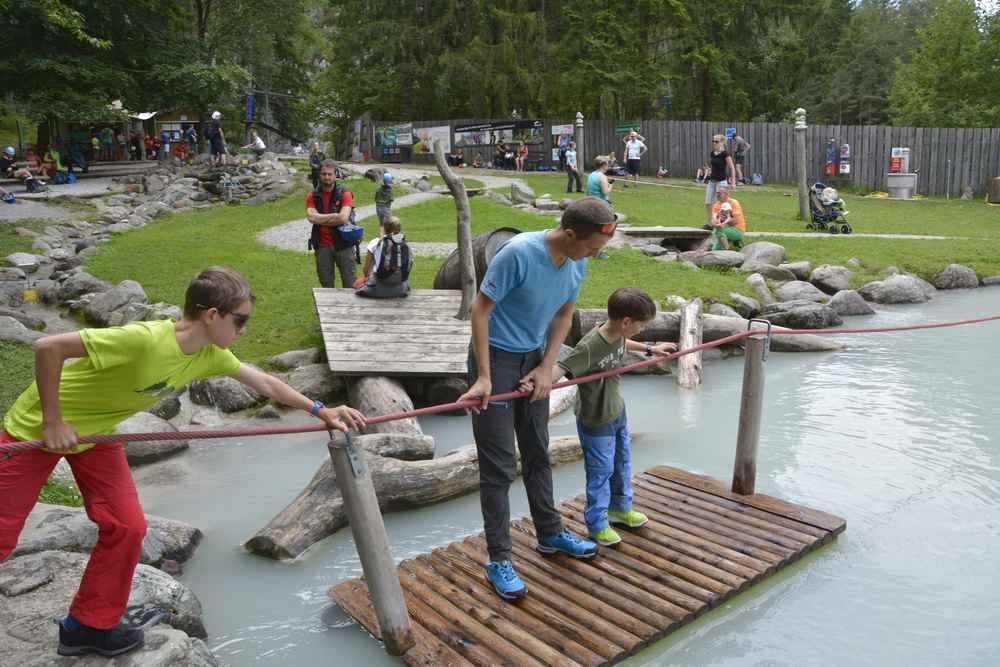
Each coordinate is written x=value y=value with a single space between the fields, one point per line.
x=520 y=318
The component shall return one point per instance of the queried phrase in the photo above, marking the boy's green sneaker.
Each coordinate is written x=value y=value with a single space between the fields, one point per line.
x=606 y=537
x=632 y=519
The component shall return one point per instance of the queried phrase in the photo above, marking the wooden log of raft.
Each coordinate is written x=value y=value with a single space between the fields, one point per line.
x=319 y=511
x=689 y=370
x=375 y=396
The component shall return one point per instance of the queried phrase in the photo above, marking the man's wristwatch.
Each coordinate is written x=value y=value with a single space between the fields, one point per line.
x=316 y=407
x=649 y=350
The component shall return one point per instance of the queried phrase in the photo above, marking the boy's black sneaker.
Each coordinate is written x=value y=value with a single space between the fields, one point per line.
x=108 y=643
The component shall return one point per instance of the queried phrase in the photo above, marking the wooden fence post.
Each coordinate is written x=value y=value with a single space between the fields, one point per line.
x=800 y=158
x=355 y=482
x=581 y=155
x=745 y=466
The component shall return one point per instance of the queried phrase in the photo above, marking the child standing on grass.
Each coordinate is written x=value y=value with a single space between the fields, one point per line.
x=383 y=199
x=601 y=421
x=118 y=372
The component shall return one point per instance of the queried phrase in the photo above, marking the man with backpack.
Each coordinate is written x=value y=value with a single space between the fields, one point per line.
x=390 y=260
x=335 y=237
x=217 y=139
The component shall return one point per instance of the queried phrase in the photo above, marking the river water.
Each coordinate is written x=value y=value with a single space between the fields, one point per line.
x=896 y=434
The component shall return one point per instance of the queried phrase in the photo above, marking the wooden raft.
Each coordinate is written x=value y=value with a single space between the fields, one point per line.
x=702 y=546
x=415 y=336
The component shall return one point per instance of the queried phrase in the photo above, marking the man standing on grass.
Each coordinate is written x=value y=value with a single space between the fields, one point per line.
x=328 y=208
x=634 y=150
x=520 y=318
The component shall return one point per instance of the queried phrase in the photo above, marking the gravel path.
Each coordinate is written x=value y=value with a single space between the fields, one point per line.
x=32 y=210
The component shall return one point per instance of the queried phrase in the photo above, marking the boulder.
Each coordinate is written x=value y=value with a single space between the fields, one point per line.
x=113 y=214
x=898 y=288
x=800 y=269
x=12 y=293
x=30 y=321
x=58 y=528
x=423 y=185
x=154 y=183
x=521 y=193
x=545 y=204
x=499 y=197
x=744 y=305
x=167 y=408
x=854 y=263
x=723 y=310
x=715 y=327
x=674 y=301
x=295 y=358
x=224 y=393
x=9 y=273
x=316 y=381
x=662 y=368
x=152 y=210
x=848 y=303
x=138 y=453
x=136 y=311
x=956 y=276
x=38 y=587
x=79 y=284
x=802 y=315
x=13 y=331
x=99 y=309
x=767 y=270
x=760 y=288
x=269 y=412
x=799 y=289
x=60 y=254
x=727 y=259
x=831 y=279
x=765 y=252
x=653 y=250
x=562 y=399
x=24 y=261
x=990 y=281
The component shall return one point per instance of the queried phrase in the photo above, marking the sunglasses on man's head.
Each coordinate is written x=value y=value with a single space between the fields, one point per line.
x=608 y=228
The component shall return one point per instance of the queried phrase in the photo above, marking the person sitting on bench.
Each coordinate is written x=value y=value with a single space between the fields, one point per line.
x=391 y=264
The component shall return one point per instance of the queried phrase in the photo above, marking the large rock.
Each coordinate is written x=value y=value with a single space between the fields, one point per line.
x=295 y=358
x=802 y=315
x=38 y=587
x=24 y=261
x=13 y=331
x=767 y=270
x=727 y=259
x=57 y=528
x=136 y=311
x=27 y=320
x=956 y=276
x=154 y=183
x=831 y=279
x=800 y=269
x=138 y=453
x=224 y=393
x=898 y=288
x=760 y=288
x=991 y=281
x=316 y=381
x=722 y=309
x=765 y=252
x=562 y=399
x=797 y=290
x=79 y=284
x=715 y=327
x=521 y=193
x=744 y=305
x=9 y=273
x=99 y=309
x=849 y=303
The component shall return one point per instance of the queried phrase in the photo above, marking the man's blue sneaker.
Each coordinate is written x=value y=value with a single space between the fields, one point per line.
x=567 y=543
x=505 y=580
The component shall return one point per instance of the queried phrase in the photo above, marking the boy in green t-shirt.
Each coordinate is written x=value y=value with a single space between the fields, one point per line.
x=120 y=371
x=601 y=421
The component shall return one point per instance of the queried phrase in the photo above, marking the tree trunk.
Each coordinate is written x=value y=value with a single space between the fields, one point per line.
x=319 y=511
x=375 y=396
x=689 y=366
x=457 y=188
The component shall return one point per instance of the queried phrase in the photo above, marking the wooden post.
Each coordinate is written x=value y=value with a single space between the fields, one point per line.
x=464 y=236
x=355 y=482
x=745 y=466
x=581 y=156
x=800 y=158
x=689 y=370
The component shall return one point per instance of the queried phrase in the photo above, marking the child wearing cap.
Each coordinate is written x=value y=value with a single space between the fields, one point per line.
x=383 y=199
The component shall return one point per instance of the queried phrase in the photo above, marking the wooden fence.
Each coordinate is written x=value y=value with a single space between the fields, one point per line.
x=946 y=159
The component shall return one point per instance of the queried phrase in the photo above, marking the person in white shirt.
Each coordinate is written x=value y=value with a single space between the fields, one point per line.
x=256 y=143
x=572 y=170
x=634 y=149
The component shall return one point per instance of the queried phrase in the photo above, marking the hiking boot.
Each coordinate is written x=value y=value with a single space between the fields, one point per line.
x=108 y=643
x=606 y=537
x=505 y=580
x=632 y=519
x=567 y=543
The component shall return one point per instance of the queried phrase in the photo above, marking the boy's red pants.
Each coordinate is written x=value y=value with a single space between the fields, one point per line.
x=109 y=495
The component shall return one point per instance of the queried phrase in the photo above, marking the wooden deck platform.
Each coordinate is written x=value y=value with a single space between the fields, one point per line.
x=415 y=336
x=702 y=546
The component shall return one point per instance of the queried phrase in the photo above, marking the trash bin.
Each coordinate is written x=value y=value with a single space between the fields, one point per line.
x=901 y=186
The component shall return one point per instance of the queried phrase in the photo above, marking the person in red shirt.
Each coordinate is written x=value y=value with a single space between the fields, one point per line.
x=328 y=208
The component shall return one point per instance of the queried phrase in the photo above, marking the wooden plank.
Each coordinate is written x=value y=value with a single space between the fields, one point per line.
x=349 y=297
x=396 y=307
x=375 y=316
x=428 y=349
x=936 y=162
x=788 y=510
x=423 y=357
x=393 y=331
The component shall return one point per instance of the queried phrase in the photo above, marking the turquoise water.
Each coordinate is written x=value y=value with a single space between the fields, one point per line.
x=895 y=434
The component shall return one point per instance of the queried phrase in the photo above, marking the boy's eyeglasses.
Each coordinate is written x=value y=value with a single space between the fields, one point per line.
x=239 y=319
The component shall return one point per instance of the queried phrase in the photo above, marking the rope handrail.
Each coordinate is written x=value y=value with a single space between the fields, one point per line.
x=9 y=448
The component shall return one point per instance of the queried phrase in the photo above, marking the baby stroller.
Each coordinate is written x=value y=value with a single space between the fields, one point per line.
x=827 y=208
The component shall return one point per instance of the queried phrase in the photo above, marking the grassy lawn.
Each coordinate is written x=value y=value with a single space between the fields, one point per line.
x=469 y=182
x=18 y=363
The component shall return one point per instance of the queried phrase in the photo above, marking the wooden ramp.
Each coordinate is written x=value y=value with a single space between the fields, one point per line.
x=415 y=336
x=702 y=546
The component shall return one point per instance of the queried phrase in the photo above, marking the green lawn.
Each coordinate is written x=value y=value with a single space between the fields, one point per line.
x=469 y=182
x=18 y=363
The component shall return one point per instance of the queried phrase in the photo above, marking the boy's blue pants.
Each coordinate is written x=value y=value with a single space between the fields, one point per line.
x=607 y=457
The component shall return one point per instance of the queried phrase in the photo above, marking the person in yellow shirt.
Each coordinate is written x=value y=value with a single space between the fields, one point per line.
x=728 y=221
x=118 y=372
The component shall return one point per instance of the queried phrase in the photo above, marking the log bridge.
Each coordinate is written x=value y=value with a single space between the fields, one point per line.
x=705 y=543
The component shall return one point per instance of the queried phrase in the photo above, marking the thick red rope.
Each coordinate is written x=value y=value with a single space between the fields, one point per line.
x=448 y=407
